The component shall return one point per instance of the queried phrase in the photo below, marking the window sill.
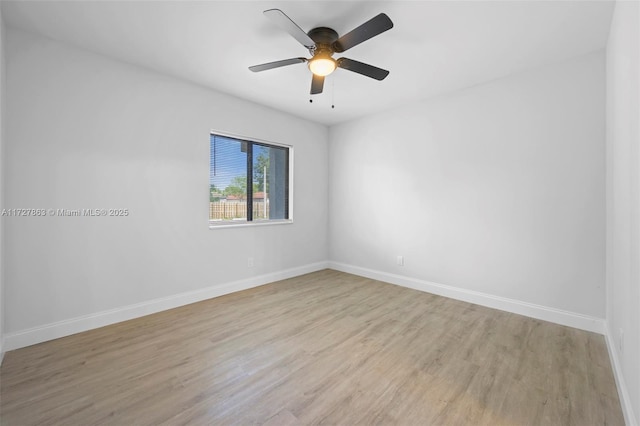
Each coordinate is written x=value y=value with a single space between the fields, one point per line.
x=214 y=224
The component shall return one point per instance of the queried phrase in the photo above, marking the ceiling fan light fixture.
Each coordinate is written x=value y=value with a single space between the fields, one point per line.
x=322 y=66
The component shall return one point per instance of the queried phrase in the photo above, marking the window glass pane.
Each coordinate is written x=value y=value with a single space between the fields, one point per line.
x=270 y=182
x=228 y=179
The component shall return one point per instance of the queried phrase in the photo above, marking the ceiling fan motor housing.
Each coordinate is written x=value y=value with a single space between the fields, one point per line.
x=324 y=38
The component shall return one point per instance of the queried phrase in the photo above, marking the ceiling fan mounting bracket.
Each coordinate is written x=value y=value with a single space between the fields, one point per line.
x=323 y=35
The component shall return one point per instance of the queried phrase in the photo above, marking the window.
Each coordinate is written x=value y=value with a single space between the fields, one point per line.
x=248 y=182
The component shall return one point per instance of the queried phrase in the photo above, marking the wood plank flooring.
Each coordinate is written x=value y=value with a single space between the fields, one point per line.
x=323 y=348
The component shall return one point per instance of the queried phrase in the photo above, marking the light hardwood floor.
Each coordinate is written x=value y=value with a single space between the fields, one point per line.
x=326 y=347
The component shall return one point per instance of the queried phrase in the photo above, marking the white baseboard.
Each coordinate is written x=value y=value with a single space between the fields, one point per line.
x=59 y=329
x=19 y=339
x=623 y=393
x=558 y=316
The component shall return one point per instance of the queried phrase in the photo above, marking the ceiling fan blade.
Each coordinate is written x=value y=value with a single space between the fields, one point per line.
x=276 y=64
x=364 y=32
x=362 y=68
x=283 y=21
x=316 y=84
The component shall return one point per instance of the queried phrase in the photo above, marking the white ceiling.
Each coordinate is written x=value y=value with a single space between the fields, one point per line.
x=434 y=47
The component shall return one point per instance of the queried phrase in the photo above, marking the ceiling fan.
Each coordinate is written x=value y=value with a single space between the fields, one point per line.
x=323 y=42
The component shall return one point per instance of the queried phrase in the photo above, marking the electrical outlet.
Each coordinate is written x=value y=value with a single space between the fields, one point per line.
x=400 y=260
x=621 y=341
x=250 y=262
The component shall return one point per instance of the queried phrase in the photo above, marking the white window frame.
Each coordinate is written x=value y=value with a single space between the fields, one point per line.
x=215 y=224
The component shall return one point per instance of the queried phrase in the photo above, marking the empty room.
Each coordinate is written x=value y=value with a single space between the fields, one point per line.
x=320 y=212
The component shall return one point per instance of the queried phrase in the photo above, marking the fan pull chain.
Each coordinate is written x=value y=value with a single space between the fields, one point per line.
x=333 y=94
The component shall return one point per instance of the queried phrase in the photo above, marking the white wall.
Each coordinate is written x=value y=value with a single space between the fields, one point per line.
x=88 y=132
x=2 y=123
x=497 y=189
x=623 y=206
